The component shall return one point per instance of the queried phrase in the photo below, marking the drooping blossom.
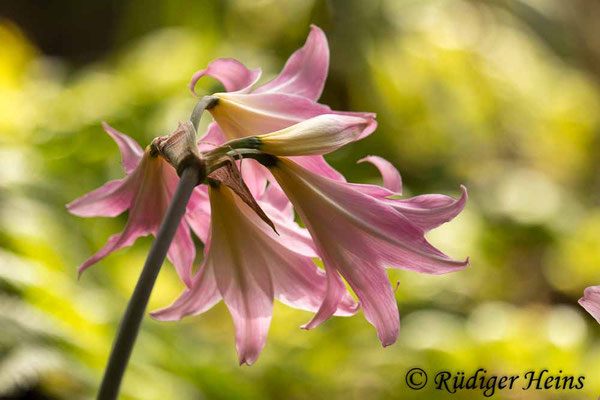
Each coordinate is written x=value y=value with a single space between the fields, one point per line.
x=286 y=100
x=146 y=192
x=359 y=231
x=591 y=301
x=247 y=265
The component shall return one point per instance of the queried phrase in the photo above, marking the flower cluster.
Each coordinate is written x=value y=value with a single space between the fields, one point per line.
x=255 y=251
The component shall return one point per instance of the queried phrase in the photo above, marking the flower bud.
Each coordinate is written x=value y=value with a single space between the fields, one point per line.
x=316 y=136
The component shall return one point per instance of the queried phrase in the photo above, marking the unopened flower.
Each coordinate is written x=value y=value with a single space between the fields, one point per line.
x=315 y=136
x=247 y=265
x=286 y=100
x=359 y=232
x=146 y=192
x=591 y=301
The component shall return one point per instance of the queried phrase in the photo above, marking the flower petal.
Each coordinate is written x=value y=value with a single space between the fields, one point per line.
x=372 y=122
x=130 y=151
x=230 y=176
x=182 y=253
x=360 y=220
x=429 y=211
x=297 y=281
x=334 y=296
x=243 y=278
x=318 y=165
x=591 y=301
x=197 y=214
x=109 y=200
x=301 y=284
x=378 y=192
x=255 y=176
x=241 y=115
x=391 y=176
x=276 y=198
x=372 y=287
x=231 y=73
x=305 y=71
x=115 y=242
x=113 y=197
x=212 y=138
x=290 y=235
x=202 y=296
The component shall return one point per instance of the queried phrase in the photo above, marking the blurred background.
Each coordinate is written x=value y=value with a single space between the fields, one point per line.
x=499 y=95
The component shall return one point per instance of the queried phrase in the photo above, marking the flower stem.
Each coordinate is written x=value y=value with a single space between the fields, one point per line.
x=130 y=324
x=205 y=103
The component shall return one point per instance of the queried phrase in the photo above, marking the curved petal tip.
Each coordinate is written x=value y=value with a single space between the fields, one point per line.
x=165 y=314
x=385 y=342
x=391 y=177
x=234 y=75
x=465 y=194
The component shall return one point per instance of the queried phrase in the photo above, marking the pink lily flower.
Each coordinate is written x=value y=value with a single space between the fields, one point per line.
x=247 y=265
x=359 y=231
x=286 y=100
x=591 y=301
x=146 y=192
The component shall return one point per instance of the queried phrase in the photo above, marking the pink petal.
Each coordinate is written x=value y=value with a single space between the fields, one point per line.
x=130 y=151
x=197 y=215
x=249 y=298
x=231 y=73
x=146 y=210
x=202 y=296
x=318 y=165
x=290 y=235
x=243 y=278
x=297 y=281
x=391 y=176
x=361 y=219
x=276 y=198
x=152 y=207
x=301 y=284
x=378 y=192
x=336 y=291
x=591 y=301
x=343 y=250
x=115 y=242
x=241 y=115
x=372 y=287
x=182 y=253
x=430 y=210
x=255 y=176
x=305 y=71
x=146 y=192
x=212 y=138
x=370 y=127
x=109 y=200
